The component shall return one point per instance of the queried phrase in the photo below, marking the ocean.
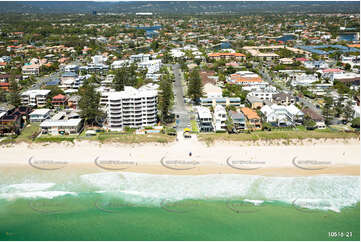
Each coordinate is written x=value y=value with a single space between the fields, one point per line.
x=131 y=206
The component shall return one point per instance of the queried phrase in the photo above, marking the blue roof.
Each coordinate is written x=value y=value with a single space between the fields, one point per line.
x=53 y=82
x=69 y=74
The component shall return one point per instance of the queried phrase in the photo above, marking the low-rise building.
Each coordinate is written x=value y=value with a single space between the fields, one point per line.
x=218 y=56
x=224 y=101
x=219 y=118
x=282 y=116
x=204 y=119
x=283 y=99
x=34 y=97
x=239 y=121
x=255 y=102
x=62 y=126
x=253 y=120
x=59 y=100
x=39 y=115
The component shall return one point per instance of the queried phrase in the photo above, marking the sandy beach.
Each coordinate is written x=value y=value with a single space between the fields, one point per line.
x=311 y=157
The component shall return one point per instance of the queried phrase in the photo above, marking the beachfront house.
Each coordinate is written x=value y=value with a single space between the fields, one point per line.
x=62 y=126
x=253 y=120
x=204 y=119
x=282 y=116
x=239 y=121
x=219 y=118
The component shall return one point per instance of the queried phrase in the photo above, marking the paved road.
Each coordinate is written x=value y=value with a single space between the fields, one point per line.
x=179 y=109
x=43 y=80
x=306 y=102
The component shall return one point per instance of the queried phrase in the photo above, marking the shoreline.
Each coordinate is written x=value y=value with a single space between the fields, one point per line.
x=313 y=157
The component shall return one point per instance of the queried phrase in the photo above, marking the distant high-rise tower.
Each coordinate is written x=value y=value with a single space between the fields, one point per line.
x=94 y=12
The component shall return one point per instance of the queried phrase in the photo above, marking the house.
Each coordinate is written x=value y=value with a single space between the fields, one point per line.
x=239 y=120
x=264 y=93
x=13 y=120
x=71 y=68
x=317 y=118
x=315 y=65
x=204 y=119
x=282 y=116
x=139 y=58
x=73 y=101
x=248 y=80
x=303 y=79
x=39 y=115
x=212 y=91
x=152 y=66
x=59 y=100
x=283 y=98
x=219 y=118
x=255 y=102
x=34 y=97
x=224 y=101
x=62 y=126
x=286 y=61
x=31 y=69
x=227 y=56
x=253 y=120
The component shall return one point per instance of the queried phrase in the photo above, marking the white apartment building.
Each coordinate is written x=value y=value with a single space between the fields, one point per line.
x=219 y=118
x=119 y=64
x=34 y=97
x=264 y=94
x=140 y=58
x=303 y=79
x=151 y=65
x=134 y=108
x=71 y=68
x=99 y=59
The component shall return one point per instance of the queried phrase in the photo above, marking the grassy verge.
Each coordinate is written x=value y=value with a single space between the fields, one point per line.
x=135 y=138
x=27 y=132
x=194 y=126
x=276 y=135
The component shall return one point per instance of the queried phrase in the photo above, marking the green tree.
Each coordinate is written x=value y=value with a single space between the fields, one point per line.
x=165 y=97
x=14 y=92
x=327 y=110
x=195 y=87
x=348 y=111
x=355 y=123
x=89 y=104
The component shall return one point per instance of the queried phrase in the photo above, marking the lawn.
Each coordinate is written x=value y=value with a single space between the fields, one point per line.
x=194 y=126
x=27 y=132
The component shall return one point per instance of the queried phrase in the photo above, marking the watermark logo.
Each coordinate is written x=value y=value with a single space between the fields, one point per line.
x=114 y=165
x=245 y=164
x=112 y=206
x=312 y=205
x=310 y=164
x=48 y=206
x=183 y=206
x=244 y=206
x=179 y=164
x=47 y=165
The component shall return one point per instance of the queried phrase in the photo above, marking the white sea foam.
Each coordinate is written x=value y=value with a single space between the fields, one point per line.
x=26 y=187
x=39 y=194
x=325 y=192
